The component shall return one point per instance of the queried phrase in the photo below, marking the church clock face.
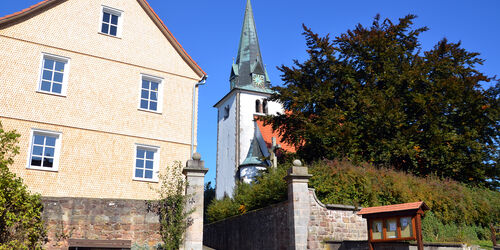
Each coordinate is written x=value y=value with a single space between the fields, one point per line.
x=258 y=80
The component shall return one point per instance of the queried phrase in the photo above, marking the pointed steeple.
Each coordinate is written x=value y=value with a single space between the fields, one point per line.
x=248 y=71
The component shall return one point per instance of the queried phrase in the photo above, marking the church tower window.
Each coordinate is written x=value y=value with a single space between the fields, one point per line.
x=258 y=107
x=264 y=106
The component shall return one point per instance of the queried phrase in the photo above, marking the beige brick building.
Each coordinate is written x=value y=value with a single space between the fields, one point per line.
x=101 y=93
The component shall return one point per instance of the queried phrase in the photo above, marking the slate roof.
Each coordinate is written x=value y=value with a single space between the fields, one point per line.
x=394 y=208
x=255 y=157
x=249 y=59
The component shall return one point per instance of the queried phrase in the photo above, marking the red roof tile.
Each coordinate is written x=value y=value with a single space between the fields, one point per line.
x=394 y=208
x=45 y=2
x=268 y=133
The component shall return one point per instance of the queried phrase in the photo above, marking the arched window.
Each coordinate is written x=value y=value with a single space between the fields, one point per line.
x=264 y=104
x=258 y=106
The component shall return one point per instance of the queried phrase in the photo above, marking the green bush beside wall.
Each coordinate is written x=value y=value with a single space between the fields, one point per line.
x=458 y=212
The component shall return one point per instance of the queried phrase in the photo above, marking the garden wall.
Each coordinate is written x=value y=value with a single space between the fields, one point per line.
x=333 y=222
x=266 y=228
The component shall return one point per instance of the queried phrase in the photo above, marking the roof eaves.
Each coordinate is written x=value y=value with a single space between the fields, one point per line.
x=45 y=3
x=171 y=37
x=394 y=208
x=38 y=6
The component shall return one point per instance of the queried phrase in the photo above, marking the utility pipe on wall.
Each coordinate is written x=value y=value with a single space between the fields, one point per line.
x=201 y=82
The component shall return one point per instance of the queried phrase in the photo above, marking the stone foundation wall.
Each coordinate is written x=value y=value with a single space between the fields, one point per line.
x=266 y=228
x=333 y=222
x=363 y=245
x=98 y=219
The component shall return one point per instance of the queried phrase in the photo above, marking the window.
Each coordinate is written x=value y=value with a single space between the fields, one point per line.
x=111 y=21
x=264 y=105
x=54 y=74
x=258 y=107
x=151 y=94
x=226 y=112
x=44 y=150
x=146 y=163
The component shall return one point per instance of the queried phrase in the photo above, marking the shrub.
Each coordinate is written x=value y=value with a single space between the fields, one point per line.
x=342 y=182
x=21 y=224
x=171 y=207
x=434 y=230
x=208 y=196
x=269 y=188
x=221 y=209
x=458 y=212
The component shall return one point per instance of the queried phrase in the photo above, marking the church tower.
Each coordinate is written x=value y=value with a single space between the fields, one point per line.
x=241 y=149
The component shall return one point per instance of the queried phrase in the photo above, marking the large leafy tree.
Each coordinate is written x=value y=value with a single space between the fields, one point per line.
x=373 y=95
x=21 y=224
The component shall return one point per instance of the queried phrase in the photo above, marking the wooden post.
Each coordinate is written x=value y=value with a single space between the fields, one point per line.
x=370 y=243
x=420 y=241
x=493 y=235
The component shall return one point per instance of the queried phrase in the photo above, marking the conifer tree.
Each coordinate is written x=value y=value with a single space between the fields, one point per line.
x=371 y=94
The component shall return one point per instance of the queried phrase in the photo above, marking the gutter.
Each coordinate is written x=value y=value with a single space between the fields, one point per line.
x=202 y=81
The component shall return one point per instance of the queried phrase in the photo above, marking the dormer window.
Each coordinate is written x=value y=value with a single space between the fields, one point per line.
x=111 y=21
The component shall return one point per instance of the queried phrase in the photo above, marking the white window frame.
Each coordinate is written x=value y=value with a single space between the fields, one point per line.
x=159 y=80
x=57 y=151
x=156 y=162
x=115 y=12
x=67 y=65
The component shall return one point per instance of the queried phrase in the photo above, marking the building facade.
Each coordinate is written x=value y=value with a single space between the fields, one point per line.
x=101 y=93
x=243 y=150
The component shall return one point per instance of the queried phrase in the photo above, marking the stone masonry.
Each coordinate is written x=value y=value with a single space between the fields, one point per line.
x=99 y=219
x=265 y=228
x=301 y=222
x=298 y=205
x=333 y=222
x=195 y=175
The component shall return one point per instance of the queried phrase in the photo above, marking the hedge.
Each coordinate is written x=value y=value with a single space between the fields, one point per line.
x=454 y=206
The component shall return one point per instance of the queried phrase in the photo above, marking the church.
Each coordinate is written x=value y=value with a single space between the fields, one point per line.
x=244 y=145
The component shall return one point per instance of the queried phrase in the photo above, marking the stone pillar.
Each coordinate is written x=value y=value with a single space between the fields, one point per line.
x=195 y=175
x=298 y=205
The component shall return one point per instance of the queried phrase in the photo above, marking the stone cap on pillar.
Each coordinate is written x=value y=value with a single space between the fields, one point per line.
x=297 y=172
x=195 y=165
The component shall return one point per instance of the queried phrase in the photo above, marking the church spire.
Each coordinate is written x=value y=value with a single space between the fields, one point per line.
x=248 y=71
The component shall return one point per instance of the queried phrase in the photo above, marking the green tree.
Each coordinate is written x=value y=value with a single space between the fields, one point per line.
x=208 y=197
x=21 y=224
x=372 y=95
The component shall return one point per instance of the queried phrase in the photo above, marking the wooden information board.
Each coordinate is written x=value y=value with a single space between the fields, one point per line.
x=400 y=222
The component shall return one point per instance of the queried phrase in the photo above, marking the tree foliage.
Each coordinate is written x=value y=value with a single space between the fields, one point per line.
x=373 y=95
x=21 y=224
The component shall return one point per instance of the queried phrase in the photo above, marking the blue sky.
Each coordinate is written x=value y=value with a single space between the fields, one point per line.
x=210 y=30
